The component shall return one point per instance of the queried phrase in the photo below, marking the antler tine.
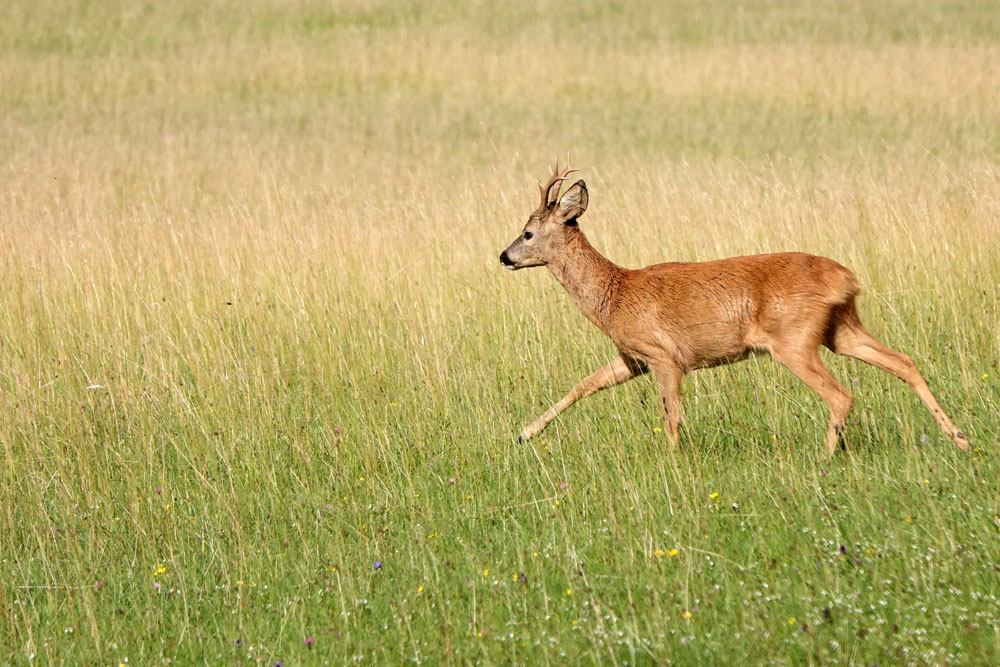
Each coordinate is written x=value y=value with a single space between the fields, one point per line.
x=544 y=190
x=568 y=170
x=557 y=177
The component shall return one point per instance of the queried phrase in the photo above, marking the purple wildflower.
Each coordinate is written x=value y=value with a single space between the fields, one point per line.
x=377 y=565
x=310 y=641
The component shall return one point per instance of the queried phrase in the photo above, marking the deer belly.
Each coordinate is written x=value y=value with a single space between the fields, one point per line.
x=729 y=358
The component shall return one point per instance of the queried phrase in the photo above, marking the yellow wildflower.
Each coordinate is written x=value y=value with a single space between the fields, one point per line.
x=672 y=553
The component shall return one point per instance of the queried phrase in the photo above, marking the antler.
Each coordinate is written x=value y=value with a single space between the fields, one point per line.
x=557 y=177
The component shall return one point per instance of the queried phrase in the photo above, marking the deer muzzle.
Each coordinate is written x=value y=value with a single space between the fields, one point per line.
x=505 y=260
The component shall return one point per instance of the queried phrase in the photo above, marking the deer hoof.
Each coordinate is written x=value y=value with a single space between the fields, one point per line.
x=962 y=441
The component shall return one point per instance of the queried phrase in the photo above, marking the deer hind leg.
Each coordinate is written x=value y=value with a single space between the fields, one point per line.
x=848 y=336
x=806 y=364
x=619 y=370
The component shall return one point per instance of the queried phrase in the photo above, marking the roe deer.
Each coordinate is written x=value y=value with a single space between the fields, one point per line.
x=674 y=318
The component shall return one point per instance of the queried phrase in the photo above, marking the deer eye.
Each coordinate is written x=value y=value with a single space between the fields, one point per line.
x=527 y=236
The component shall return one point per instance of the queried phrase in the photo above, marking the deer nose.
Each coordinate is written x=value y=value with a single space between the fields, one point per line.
x=505 y=260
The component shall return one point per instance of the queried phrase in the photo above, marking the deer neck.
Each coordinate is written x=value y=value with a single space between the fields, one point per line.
x=591 y=279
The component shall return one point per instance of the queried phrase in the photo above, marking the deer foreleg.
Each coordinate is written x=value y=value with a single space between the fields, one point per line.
x=668 y=375
x=621 y=369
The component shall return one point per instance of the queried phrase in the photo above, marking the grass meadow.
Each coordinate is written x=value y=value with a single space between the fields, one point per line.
x=261 y=373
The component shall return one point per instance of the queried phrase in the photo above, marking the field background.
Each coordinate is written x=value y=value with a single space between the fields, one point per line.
x=254 y=337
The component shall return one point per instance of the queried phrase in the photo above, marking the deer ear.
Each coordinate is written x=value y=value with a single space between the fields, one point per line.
x=574 y=202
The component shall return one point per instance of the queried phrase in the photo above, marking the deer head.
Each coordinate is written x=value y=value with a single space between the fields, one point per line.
x=550 y=225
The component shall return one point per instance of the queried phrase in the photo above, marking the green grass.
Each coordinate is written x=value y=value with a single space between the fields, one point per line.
x=254 y=337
